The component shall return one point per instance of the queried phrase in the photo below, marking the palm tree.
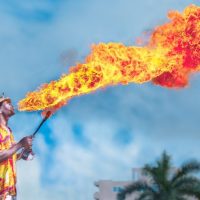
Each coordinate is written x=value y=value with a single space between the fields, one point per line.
x=160 y=184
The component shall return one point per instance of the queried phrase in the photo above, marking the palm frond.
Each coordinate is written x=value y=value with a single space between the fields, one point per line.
x=185 y=181
x=187 y=168
x=190 y=191
x=145 y=196
x=135 y=187
x=181 y=198
x=160 y=173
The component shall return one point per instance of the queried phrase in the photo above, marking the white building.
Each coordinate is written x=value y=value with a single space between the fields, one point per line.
x=108 y=189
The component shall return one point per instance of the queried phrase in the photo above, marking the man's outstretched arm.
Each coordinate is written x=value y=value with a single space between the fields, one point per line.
x=25 y=142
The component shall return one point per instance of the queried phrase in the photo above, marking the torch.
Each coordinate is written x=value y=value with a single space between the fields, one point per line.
x=27 y=154
x=48 y=114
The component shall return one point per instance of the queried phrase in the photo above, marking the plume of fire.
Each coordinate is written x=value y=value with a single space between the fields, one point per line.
x=171 y=55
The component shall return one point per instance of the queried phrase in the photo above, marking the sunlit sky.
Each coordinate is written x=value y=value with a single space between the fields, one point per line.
x=99 y=136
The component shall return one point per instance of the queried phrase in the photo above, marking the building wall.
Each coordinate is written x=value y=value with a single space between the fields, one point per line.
x=108 y=189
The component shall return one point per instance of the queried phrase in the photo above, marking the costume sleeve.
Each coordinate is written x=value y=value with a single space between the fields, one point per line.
x=5 y=140
x=1 y=141
x=12 y=136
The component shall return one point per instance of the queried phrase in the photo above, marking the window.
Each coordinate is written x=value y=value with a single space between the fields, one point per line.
x=118 y=189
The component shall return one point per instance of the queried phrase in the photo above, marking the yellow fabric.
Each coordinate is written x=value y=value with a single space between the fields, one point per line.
x=7 y=167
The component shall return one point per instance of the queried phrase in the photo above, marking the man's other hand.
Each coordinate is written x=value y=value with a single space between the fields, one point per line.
x=26 y=142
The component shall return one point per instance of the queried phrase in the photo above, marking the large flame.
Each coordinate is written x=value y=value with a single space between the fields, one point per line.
x=172 y=54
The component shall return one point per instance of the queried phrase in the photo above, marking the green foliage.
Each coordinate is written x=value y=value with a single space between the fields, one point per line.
x=162 y=184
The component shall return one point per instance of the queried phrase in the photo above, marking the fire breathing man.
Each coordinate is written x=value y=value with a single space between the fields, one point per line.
x=9 y=151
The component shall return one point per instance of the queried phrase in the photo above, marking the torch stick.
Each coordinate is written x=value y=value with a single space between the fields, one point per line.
x=48 y=114
x=27 y=153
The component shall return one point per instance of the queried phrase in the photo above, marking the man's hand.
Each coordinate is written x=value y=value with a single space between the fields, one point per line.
x=21 y=155
x=26 y=142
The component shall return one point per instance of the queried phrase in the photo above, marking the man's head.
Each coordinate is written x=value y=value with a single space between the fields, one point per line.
x=6 y=107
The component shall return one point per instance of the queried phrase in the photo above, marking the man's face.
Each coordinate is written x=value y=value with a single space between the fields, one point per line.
x=7 y=108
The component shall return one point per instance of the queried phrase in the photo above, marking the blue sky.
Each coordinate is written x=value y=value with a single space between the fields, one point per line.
x=104 y=134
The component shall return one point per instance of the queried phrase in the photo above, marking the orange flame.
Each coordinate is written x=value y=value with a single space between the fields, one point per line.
x=172 y=54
